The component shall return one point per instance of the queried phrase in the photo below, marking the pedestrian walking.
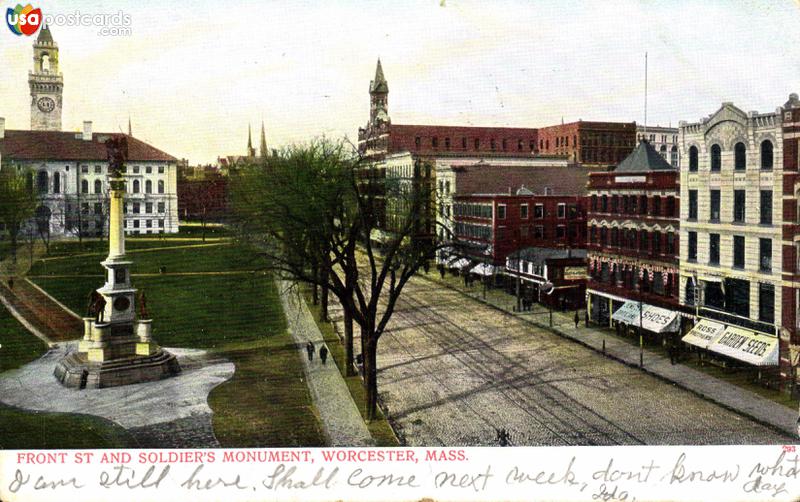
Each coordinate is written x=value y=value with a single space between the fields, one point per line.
x=323 y=353
x=310 y=351
x=441 y=271
x=673 y=349
x=577 y=319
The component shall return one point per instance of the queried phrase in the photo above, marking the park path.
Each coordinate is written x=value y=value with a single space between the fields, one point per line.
x=40 y=313
x=338 y=412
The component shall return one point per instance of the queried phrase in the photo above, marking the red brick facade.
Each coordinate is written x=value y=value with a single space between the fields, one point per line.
x=589 y=143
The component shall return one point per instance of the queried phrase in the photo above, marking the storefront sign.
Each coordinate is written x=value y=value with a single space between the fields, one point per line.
x=574 y=273
x=747 y=346
x=653 y=319
x=704 y=333
x=630 y=179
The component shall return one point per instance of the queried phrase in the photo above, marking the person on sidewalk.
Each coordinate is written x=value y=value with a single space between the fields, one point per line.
x=577 y=319
x=673 y=349
x=310 y=351
x=323 y=353
x=441 y=271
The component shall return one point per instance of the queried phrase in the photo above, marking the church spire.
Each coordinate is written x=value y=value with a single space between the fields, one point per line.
x=263 y=146
x=250 y=150
x=379 y=85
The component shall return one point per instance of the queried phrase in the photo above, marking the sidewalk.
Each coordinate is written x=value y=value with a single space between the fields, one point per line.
x=41 y=314
x=338 y=412
x=723 y=393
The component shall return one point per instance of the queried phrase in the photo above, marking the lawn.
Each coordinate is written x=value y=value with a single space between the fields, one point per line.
x=20 y=429
x=221 y=306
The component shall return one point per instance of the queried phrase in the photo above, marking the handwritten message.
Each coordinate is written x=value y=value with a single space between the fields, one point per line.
x=596 y=473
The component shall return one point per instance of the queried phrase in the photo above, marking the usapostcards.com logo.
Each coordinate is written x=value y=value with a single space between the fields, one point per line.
x=27 y=20
x=23 y=20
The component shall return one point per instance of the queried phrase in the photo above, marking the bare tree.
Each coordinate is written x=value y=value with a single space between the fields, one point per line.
x=313 y=213
x=17 y=202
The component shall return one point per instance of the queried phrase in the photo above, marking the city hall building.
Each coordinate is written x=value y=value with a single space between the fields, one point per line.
x=734 y=202
x=70 y=169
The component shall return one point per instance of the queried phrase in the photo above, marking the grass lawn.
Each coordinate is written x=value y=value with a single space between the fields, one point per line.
x=237 y=314
x=21 y=429
x=379 y=428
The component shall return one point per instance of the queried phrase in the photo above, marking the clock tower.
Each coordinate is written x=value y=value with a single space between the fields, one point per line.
x=46 y=84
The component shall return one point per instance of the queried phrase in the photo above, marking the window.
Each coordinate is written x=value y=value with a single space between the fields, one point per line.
x=766 y=303
x=492 y=144
x=714 y=196
x=604 y=204
x=161 y=207
x=670 y=209
x=656 y=242
x=690 y=291
x=713 y=249
x=643 y=241
x=160 y=169
x=692 y=204
x=766 y=207
x=98 y=186
x=435 y=142
x=561 y=232
x=765 y=255
x=538 y=232
x=673 y=156
x=603 y=234
x=136 y=186
x=614 y=204
x=615 y=237
x=523 y=211
x=125 y=207
x=643 y=204
x=738 y=251
x=148 y=223
x=135 y=169
x=148 y=186
x=148 y=169
x=84 y=186
x=505 y=144
x=135 y=223
x=477 y=144
x=501 y=211
x=692 y=246
x=738 y=206
x=562 y=209
x=98 y=208
x=670 y=243
x=85 y=169
x=693 y=158
x=740 y=157
x=766 y=155
x=737 y=297
x=594 y=202
x=98 y=170
x=160 y=223
x=716 y=158
x=56 y=183
x=538 y=211
x=446 y=187
x=136 y=207
x=42 y=182
x=417 y=142
x=148 y=208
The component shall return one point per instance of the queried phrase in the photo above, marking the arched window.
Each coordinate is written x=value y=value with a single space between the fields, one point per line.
x=148 y=186
x=689 y=291
x=45 y=63
x=56 y=183
x=84 y=186
x=41 y=182
x=136 y=186
x=693 y=158
x=673 y=156
x=98 y=186
x=161 y=186
x=663 y=151
x=740 y=157
x=716 y=158
x=766 y=155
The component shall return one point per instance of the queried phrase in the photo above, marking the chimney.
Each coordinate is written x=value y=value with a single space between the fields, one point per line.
x=2 y=127
x=87 y=130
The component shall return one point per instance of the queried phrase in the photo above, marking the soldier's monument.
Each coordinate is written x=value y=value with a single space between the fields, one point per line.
x=117 y=348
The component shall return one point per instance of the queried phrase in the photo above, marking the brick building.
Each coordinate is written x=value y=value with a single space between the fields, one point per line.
x=733 y=233
x=790 y=289
x=633 y=225
x=593 y=144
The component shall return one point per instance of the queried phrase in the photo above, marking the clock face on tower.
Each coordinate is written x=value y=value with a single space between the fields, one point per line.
x=46 y=104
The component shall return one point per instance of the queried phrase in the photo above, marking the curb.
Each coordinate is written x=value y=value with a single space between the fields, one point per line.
x=777 y=427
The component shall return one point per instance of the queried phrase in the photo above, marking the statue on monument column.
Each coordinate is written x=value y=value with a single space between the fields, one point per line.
x=117 y=152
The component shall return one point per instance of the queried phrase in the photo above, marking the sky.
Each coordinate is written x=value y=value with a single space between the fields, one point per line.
x=193 y=75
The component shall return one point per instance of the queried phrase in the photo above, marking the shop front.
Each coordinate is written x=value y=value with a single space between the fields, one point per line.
x=655 y=321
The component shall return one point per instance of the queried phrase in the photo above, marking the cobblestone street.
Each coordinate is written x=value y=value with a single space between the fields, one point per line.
x=453 y=371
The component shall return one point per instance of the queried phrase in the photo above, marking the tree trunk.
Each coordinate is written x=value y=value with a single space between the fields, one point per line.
x=323 y=307
x=371 y=375
x=203 y=223
x=14 y=246
x=348 y=344
x=315 y=296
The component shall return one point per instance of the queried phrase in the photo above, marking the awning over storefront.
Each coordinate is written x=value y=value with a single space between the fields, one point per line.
x=483 y=269
x=748 y=346
x=704 y=333
x=654 y=319
x=463 y=262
